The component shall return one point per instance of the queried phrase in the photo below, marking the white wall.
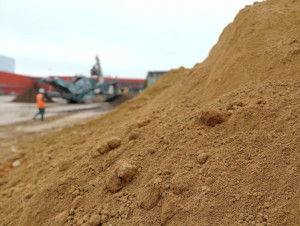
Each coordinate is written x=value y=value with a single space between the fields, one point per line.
x=7 y=64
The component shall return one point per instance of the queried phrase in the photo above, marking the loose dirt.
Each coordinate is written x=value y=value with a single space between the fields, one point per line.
x=29 y=95
x=125 y=97
x=217 y=144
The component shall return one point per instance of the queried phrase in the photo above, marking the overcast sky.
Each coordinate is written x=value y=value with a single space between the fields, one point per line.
x=131 y=37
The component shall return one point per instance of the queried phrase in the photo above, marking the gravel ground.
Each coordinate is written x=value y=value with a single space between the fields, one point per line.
x=21 y=112
x=16 y=122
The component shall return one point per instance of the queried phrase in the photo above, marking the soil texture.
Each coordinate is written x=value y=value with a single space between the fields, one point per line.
x=217 y=144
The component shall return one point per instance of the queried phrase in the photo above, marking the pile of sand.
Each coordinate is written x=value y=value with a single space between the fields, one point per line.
x=29 y=95
x=123 y=98
x=214 y=145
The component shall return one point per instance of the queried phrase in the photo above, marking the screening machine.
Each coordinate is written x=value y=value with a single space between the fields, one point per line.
x=79 y=88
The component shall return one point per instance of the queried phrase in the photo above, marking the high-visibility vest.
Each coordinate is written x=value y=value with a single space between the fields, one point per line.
x=39 y=101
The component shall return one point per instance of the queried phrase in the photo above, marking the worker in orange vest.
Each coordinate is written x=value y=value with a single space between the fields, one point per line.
x=41 y=104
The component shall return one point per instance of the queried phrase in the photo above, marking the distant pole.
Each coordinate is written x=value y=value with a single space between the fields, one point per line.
x=99 y=70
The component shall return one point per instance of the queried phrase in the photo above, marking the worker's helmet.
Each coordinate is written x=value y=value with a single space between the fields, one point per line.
x=41 y=90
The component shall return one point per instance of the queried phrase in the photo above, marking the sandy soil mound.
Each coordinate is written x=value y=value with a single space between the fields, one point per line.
x=214 y=145
x=29 y=95
x=122 y=99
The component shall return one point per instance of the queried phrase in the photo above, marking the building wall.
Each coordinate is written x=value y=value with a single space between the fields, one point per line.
x=7 y=64
x=11 y=83
x=152 y=76
x=127 y=84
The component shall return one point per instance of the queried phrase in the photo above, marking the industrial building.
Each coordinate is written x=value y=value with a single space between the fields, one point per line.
x=12 y=84
x=7 y=64
x=128 y=84
x=152 y=76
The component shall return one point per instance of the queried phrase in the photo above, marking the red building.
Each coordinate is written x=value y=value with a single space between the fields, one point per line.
x=11 y=83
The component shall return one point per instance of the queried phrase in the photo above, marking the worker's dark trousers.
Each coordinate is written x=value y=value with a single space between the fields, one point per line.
x=41 y=112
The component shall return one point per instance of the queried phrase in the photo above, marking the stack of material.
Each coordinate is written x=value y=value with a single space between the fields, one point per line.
x=217 y=144
x=123 y=98
x=29 y=95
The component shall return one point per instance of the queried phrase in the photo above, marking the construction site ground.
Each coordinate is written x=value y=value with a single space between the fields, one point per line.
x=17 y=124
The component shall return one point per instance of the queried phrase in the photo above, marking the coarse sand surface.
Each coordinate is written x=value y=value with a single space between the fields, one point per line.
x=217 y=144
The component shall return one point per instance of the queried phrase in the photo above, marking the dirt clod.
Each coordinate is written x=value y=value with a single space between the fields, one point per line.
x=103 y=148
x=126 y=170
x=114 y=183
x=149 y=196
x=201 y=158
x=95 y=220
x=114 y=142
